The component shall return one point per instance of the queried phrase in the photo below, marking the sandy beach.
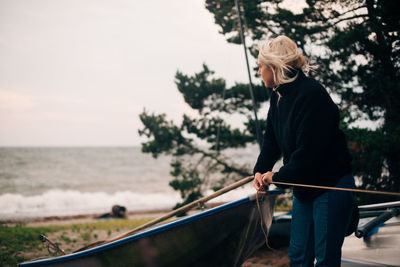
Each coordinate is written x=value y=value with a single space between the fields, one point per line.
x=265 y=257
x=74 y=232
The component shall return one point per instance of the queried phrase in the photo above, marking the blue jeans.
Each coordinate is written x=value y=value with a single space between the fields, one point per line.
x=319 y=226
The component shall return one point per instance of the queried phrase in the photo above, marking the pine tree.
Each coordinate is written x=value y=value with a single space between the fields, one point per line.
x=196 y=167
x=355 y=47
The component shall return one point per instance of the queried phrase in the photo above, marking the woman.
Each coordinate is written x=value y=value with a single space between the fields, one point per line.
x=303 y=127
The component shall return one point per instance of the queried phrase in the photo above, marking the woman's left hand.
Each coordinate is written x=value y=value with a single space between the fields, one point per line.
x=267 y=178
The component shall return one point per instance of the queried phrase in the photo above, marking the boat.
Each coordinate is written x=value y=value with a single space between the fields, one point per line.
x=223 y=236
x=279 y=232
x=376 y=241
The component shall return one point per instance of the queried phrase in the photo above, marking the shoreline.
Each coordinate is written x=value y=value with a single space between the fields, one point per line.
x=79 y=218
x=92 y=217
x=87 y=218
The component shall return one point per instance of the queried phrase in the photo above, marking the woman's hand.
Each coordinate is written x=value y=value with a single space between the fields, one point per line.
x=267 y=178
x=262 y=181
x=258 y=182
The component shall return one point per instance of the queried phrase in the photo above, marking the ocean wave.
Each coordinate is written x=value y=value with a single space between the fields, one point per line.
x=71 y=202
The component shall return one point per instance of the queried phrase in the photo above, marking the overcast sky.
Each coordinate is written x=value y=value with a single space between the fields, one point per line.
x=79 y=72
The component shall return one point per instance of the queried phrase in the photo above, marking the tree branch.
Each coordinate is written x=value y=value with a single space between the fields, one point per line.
x=348 y=11
x=220 y=162
x=349 y=18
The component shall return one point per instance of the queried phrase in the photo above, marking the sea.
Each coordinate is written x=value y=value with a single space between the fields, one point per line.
x=67 y=181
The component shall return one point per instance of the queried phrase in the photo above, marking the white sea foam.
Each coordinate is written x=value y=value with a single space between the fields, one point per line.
x=70 y=202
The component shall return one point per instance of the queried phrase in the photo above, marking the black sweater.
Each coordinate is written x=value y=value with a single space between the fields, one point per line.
x=303 y=125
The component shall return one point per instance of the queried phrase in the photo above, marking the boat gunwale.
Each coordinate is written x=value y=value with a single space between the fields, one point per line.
x=377 y=206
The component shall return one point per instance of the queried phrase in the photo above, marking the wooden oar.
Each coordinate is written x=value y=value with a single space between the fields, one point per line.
x=174 y=212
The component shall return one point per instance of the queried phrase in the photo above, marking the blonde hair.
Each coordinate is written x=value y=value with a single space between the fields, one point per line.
x=282 y=55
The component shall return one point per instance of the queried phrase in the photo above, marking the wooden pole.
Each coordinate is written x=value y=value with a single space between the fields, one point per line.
x=218 y=193
x=340 y=189
x=173 y=213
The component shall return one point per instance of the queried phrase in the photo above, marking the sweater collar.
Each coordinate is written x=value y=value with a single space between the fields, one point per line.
x=286 y=88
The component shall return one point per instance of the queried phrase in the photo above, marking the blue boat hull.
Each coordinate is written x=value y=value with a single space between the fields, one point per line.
x=223 y=236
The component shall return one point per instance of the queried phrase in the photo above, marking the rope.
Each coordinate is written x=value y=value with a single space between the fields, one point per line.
x=262 y=221
x=340 y=189
x=258 y=129
x=219 y=124
x=52 y=248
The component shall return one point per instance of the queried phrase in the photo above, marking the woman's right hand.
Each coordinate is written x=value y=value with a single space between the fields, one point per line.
x=258 y=183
